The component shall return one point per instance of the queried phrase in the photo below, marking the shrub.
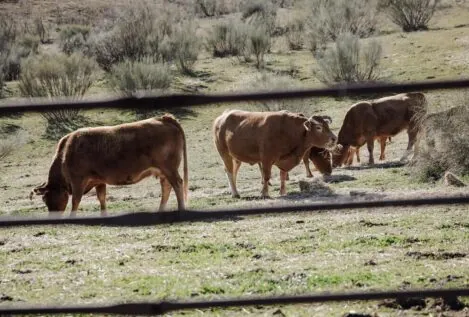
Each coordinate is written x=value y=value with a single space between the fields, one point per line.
x=444 y=145
x=411 y=15
x=41 y=30
x=349 y=61
x=328 y=19
x=260 y=13
x=8 y=32
x=228 y=38
x=57 y=75
x=260 y=44
x=138 y=34
x=211 y=8
x=10 y=143
x=129 y=77
x=295 y=33
x=186 y=47
x=26 y=46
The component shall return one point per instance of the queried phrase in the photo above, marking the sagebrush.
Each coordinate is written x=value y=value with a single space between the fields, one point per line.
x=327 y=20
x=349 y=60
x=411 y=15
x=57 y=75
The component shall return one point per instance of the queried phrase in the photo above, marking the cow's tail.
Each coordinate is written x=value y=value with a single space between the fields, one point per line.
x=171 y=119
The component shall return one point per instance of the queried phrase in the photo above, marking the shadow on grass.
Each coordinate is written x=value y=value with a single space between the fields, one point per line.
x=392 y=164
x=181 y=113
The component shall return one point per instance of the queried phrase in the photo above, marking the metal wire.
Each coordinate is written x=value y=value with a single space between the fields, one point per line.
x=184 y=100
x=162 y=307
x=136 y=219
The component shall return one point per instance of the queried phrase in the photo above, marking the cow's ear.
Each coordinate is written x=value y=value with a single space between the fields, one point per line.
x=308 y=124
x=39 y=190
x=327 y=119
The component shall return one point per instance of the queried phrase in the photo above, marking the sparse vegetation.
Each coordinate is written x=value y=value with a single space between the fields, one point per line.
x=260 y=42
x=228 y=38
x=186 y=47
x=130 y=77
x=73 y=38
x=444 y=145
x=349 y=60
x=57 y=75
x=327 y=20
x=10 y=143
x=411 y=15
x=260 y=13
x=295 y=33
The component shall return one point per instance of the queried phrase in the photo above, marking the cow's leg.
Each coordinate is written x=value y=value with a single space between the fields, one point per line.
x=349 y=159
x=165 y=191
x=236 y=166
x=266 y=173
x=101 y=194
x=178 y=185
x=77 y=194
x=228 y=162
x=283 y=178
x=382 y=143
x=370 y=142
x=262 y=173
x=357 y=153
x=306 y=163
x=412 y=132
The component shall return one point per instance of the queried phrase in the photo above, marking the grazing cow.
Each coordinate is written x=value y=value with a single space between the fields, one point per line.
x=116 y=155
x=321 y=158
x=267 y=138
x=385 y=117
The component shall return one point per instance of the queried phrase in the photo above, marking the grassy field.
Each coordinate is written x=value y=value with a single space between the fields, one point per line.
x=376 y=249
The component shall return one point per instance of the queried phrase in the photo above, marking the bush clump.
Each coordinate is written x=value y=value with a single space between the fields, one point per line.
x=73 y=38
x=444 y=145
x=129 y=77
x=228 y=38
x=349 y=61
x=327 y=20
x=185 y=46
x=411 y=15
x=260 y=13
x=57 y=75
x=295 y=33
x=8 y=144
x=260 y=42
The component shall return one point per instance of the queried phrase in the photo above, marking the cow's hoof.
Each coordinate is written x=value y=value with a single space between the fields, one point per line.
x=309 y=175
x=236 y=196
x=265 y=197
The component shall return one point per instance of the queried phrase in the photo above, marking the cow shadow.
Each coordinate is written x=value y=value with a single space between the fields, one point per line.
x=385 y=165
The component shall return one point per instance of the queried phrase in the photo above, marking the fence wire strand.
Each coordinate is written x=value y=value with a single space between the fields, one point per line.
x=135 y=219
x=185 y=100
x=163 y=307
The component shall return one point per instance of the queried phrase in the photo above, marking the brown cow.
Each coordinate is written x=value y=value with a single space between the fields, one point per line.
x=117 y=155
x=365 y=121
x=267 y=138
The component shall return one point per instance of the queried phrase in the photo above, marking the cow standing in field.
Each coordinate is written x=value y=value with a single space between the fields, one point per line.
x=116 y=155
x=267 y=138
x=381 y=118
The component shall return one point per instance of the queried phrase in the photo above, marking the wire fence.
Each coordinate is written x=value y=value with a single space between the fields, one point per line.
x=163 y=307
x=148 y=218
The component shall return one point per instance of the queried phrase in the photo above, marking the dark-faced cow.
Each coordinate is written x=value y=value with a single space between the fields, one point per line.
x=267 y=138
x=116 y=155
x=381 y=118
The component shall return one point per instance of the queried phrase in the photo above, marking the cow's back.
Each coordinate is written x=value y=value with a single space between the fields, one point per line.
x=123 y=149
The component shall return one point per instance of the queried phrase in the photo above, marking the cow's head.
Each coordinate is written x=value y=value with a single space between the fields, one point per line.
x=318 y=133
x=322 y=160
x=55 y=197
x=340 y=154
